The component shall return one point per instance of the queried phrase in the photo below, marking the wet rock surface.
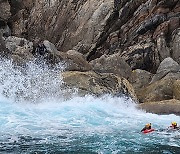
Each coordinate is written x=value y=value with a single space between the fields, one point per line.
x=138 y=40
x=162 y=107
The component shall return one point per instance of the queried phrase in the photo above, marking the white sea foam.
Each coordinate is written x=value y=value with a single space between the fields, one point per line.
x=112 y=123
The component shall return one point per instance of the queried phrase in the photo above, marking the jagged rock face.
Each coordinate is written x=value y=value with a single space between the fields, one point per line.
x=176 y=46
x=141 y=56
x=142 y=22
x=104 y=27
x=17 y=5
x=66 y=23
x=5 y=14
x=115 y=36
x=20 y=10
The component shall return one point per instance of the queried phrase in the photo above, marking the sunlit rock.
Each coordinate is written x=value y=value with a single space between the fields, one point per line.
x=98 y=83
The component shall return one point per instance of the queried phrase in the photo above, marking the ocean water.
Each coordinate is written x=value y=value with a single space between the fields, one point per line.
x=36 y=116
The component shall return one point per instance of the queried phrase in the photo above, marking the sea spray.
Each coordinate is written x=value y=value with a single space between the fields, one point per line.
x=34 y=83
x=83 y=124
x=49 y=123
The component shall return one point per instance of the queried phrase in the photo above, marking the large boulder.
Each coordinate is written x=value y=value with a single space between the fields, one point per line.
x=157 y=91
x=74 y=52
x=71 y=62
x=15 y=43
x=172 y=76
x=97 y=83
x=168 y=65
x=50 y=47
x=171 y=106
x=140 y=78
x=112 y=64
x=76 y=62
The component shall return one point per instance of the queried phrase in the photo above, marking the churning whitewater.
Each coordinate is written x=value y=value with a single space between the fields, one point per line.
x=36 y=116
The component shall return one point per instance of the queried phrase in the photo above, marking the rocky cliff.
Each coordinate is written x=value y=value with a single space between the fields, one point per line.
x=143 y=32
x=134 y=39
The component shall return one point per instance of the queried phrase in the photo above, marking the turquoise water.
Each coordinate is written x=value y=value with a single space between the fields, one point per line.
x=83 y=125
x=37 y=117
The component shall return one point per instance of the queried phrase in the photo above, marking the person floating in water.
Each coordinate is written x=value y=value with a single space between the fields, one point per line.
x=147 y=127
x=174 y=125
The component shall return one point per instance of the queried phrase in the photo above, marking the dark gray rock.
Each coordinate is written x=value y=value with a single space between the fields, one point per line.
x=162 y=49
x=141 y=56
x=168 y=65
x=20 y=50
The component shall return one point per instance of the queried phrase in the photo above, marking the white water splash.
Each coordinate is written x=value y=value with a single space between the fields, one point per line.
x=105 y=125
x=33 y=83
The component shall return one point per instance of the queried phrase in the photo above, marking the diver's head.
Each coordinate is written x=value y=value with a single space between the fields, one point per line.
x=174 y=123
x=148 y=125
